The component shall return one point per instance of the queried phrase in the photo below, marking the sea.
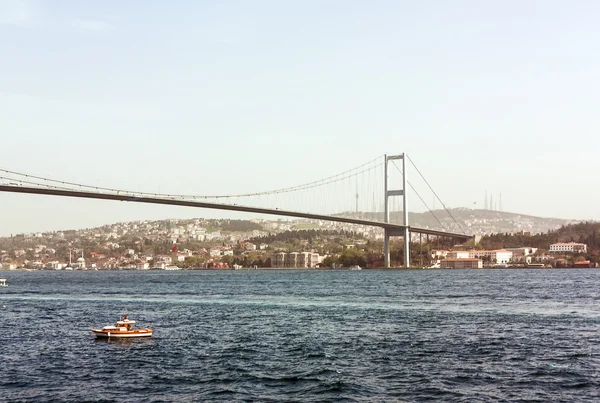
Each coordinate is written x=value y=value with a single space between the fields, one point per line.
x=303 y=336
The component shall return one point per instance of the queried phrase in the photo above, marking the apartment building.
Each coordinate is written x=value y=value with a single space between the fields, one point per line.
x=572 y=247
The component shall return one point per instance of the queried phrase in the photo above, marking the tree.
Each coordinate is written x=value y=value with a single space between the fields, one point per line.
x=351 y=257
x=329 y=261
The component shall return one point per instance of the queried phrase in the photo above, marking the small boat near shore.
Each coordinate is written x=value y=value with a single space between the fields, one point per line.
x=355 y=267
x=123 y=329
x=3 y=282
x=172 y=268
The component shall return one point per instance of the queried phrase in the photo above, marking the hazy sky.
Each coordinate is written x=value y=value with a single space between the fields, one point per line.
x=230 y=96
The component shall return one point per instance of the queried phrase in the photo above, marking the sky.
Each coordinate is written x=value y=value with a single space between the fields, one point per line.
x=237 y=96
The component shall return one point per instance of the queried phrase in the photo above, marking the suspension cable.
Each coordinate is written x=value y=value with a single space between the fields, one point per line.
x=331 y=179
x=435 y=194
x=419 y=196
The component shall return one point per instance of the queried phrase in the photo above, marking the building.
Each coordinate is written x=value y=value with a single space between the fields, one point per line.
x=167 y=260
x=278 y=260
x=494 y=256
x=461 y=263
x=292 y=259
x=436 y=254
x=308 y=260
x=457 y=254
x=522 y=251
x=499 y=256
x=304 y=259
x=570 y=247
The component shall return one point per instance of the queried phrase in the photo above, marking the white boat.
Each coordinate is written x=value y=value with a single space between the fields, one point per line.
x=355 y=267
x=172 y=268
x=123 y=329
x=3 y=282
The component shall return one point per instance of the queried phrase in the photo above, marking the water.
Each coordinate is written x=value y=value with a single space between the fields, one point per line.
x=309 y=336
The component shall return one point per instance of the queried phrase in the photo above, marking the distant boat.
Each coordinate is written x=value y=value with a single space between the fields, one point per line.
x=172 y=268
x=3 y=282
x=355 y=267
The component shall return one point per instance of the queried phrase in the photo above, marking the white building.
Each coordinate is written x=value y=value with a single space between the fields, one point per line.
x=164 y=259
x=307 y=260
x=458 y=254
x=80 y=263
x=500 y=256
x=436 y=254
x=522 y=251
x=572 y=247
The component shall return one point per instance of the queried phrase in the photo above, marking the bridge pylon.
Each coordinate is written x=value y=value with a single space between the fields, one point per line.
x=405 y=233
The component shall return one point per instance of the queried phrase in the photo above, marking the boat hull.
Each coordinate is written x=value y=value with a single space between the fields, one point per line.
x=122 y=335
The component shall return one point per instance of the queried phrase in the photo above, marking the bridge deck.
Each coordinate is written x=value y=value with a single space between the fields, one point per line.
x=187 y=203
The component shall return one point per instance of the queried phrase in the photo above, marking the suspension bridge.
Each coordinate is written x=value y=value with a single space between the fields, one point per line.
x=366 y=195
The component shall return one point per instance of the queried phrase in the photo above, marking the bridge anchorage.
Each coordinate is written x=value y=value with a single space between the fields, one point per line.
x=329 y=200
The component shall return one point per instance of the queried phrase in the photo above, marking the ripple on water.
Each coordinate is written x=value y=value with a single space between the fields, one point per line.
x=304 y=336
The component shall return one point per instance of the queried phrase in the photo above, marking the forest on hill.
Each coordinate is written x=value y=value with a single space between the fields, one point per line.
x=307 y=234
x=585 y=232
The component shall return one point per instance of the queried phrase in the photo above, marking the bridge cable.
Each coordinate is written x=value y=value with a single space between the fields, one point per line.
x=435 y=194
x=419 y=196
x=321 y=182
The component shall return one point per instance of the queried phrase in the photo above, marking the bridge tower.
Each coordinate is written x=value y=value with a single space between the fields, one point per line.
x=404 y=232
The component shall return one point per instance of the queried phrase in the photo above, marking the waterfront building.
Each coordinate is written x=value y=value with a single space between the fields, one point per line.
x=278 y=259
x=304 y=259
x=167 y=260
x=308 y=260
x=461 y=263
x=315 y=259
x=500 y=256
x=522 y=251
x=292 y=259
x=457 y=254
x=436 y=254
x=570 y=247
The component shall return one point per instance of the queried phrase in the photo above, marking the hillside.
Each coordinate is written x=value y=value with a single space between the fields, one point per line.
x=476 y=222
x=586 y=232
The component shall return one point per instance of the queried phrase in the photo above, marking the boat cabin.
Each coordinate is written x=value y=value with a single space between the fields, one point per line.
x=125 y=324
x=2 y=282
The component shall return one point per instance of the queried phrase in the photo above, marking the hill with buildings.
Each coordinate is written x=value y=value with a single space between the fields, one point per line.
x=586 y=232
x=474 y=221
x=202 y=243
